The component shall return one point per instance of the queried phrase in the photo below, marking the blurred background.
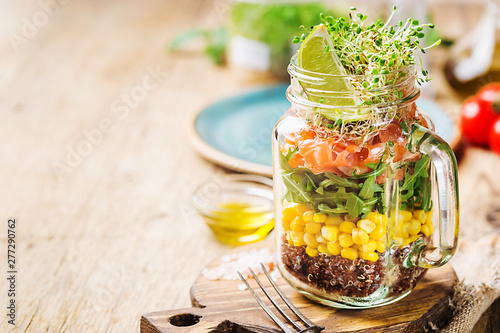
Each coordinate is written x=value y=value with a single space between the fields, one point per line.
x=104 y=140
x=255 y=36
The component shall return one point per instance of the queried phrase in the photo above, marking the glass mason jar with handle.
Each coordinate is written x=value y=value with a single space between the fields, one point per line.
x=366 y=194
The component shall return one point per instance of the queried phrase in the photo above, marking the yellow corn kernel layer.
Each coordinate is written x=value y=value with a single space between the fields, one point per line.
x=407 y=226
x=352 y=238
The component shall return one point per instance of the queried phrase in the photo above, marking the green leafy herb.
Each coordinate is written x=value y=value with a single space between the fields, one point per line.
x=404 y=128
x=354 y=205
x=340 y=181
x=380 y=169
x=368 y=189
x=215 y=42
x=420 y=170
x=273 y=24
x=328 y=192
x=416 y=188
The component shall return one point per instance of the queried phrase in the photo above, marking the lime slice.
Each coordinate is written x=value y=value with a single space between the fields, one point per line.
x=330 y=90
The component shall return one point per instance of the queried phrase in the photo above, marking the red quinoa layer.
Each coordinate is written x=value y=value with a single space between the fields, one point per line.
x=345 y=277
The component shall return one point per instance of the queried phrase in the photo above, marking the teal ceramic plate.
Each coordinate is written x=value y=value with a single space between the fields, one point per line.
x=236 y=132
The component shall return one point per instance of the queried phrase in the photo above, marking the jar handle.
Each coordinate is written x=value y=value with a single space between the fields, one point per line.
x=445 y=164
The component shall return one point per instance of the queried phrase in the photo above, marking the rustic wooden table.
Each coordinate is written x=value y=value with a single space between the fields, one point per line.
x=96 y=169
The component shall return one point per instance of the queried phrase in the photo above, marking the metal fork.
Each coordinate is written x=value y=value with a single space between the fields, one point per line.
x=310 y=326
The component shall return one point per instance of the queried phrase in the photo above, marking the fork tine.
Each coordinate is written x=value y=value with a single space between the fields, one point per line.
x=276 y=305
x=265 y=307
x=285 y=299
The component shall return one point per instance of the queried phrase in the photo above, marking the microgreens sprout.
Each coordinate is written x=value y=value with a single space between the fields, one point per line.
x=379 y=59
x=377 y=48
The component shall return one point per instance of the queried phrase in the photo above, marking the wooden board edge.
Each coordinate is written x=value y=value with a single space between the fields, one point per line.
x=147 y=325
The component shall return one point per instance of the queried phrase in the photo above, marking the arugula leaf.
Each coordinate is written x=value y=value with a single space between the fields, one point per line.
x=420 y=170
x=404 y=128
x=376 y=172
x=406 y=190
x=371 y=201
x=377 y=188
x=416 y=188
x=368 y=189
x=354 y=205
x=372 y=165
x=324 y=208
x=426 y=203
x=309 y=186
x=290 y=197
x=284 y=165
x=312 y=182
x=326 y=183
x=296 y=187
x=338 y=201
x=340 y=181
x=332 y=194
x=291 y=153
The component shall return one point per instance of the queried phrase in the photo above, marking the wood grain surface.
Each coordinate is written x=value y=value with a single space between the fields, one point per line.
x=221 y=303
x=112 y=235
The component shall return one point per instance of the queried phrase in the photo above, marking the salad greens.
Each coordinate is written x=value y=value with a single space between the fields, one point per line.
x=356 y=195
x=328 y=192
x=416 y=189
x=274 y=23
x=215 y=42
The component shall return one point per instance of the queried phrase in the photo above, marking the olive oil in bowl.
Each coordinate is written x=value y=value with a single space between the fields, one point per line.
x=239 y=211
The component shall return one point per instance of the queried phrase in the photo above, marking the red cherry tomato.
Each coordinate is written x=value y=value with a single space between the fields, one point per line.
x=490 y=94
x=476 y=120
x=494 y=136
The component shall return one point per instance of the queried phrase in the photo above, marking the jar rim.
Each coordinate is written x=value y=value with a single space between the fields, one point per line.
x=306 y=103
x=294 y=69
x=354 y=103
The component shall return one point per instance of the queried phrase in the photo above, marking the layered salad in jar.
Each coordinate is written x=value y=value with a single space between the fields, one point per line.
x=355 y=194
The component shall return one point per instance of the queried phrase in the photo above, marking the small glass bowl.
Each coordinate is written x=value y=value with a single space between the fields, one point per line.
x=238 y=208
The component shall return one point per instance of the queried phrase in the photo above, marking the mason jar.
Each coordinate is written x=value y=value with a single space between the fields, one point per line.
x=366 y=194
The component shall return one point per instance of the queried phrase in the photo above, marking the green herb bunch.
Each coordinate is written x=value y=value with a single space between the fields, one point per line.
x=273 y=23
x=377 y=48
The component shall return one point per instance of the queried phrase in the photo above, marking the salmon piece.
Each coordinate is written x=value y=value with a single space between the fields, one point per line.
x=296 y=137
x=296 y=161
x=400 y=175
x=345 y=159
x=362 y=169
x=393 y=133
x=353 y=148
x=317 y=153
x=381 y=179
x=342 y=157
x=331 y=169
x=375 y=153
x=399 y=151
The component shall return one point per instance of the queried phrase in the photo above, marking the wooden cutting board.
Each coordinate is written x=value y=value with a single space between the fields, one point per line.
x=219 y=306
